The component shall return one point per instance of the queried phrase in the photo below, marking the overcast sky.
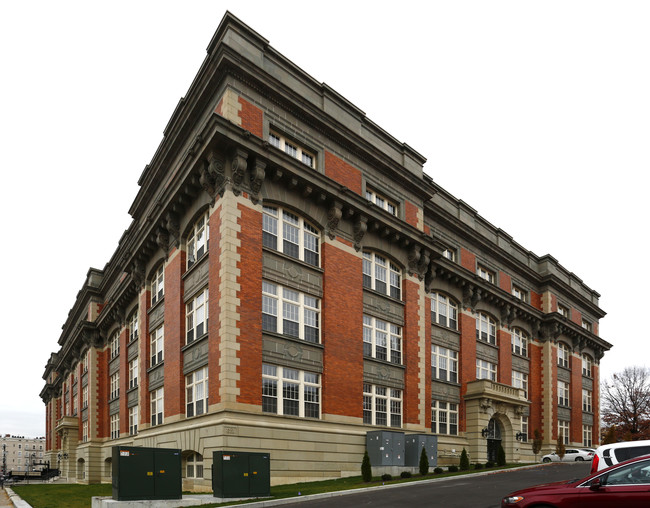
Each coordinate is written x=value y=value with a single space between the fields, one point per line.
x=536 y=114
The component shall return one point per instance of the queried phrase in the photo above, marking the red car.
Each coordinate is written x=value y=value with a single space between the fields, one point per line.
x=624 y=485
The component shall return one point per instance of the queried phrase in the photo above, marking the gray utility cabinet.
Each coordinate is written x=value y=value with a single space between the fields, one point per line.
x=414 y=445
x=385 y=448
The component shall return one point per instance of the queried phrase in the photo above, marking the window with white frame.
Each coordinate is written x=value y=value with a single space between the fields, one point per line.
x=133 y=373
x=84 y=432
x=444 y=418
x=300 y=312
x=486 y=370
x=524 y=429
x=115 y=385
x=158 y=285
x=444 y=363
x=562 y=393
x=115 y=426
x=382 y=405
x=563 y=355
x=293 y=392
x=587 y=365
x=520 y=293
x=519 y=342
x=486 y=328
x=290 y=234
x=84 y=361
x=84 y=397
x=586 y=325
x=450 y=254
x=485 y=274
x=382 y=275
x=293 y=149
x=587 y=401
x=444 y=311
x=520 y=380
x=157 y=398
x=563 y=430
x=564 y=311
x=382 y=202
x=587 y=434
x=382 y=340
x=133 y=326
x=198 y=240
x=115 y=345
x=194 y=466
x=196 y=311
x=157 y=345
x=75 y=404
x=133 y=420
x=196 y=392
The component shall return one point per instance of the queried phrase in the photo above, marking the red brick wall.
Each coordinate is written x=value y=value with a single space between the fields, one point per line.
x=410 y=355
x=596 y=404
x=467 y=260
x=144 y=350
x=504 y=340
x=535 y=390
x=576 y=316
x=103 y=427
x=536 y=300
x=214 y=282
x=250 y=310
x=553 y=384
x=342 y=172
x=411 y=213
x=174 y=335
x=467 y=367
x=251 y=118
x=505 y=282
x=124 y=380
x=576 y=400
x=342 y=333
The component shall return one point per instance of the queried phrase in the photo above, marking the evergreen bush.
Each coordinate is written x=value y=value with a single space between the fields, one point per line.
x=424 y=462
x=366 y=469
x=464 y=461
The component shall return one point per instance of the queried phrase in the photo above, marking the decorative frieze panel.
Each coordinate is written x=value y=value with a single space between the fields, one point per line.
x=487 y=352
x=196 y=279
x=132 y=350
x=196 y=355
x=84 y=379
x=564 y=413
x=293 y=274
x=114 y=366
x=587 y=419
x=587 y=383
x=156 y=377
x=520 y=364
x=383 y=308
x=84 y=414
x=563 y=374
x=156 y=316
x=132 y=397
x=445 y=337
x=445 y=392
x=114 y=407
x=292 y=353
x=381 y=374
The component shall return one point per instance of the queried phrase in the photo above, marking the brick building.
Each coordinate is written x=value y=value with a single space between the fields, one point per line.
x=292 y=279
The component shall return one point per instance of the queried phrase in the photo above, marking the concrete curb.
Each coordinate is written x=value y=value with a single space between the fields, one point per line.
x=16 y=500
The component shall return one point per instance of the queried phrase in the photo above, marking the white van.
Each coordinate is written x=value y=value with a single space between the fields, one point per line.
x=611 y=454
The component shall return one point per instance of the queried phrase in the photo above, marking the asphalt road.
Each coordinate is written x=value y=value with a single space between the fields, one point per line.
x=483 y=491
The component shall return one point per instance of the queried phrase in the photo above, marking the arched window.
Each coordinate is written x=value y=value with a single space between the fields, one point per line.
x=115 y=345
x=587 y=365
x=519 y=342
x=486 y=329
x=444 y=311
x=158 y=285
x=382 y=275
x=197 y=240
x=563 y=355
x=290 y=234
x=133 y=325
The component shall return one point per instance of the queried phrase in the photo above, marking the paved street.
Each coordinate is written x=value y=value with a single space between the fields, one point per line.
x=4 y=499
x=483 y=491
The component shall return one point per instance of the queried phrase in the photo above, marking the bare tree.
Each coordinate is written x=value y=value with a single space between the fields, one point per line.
x=626 y=403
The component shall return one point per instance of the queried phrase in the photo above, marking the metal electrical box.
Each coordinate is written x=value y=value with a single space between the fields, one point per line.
x=146 y=473
x=414 y=445
x=385 y=447
x=241 y=474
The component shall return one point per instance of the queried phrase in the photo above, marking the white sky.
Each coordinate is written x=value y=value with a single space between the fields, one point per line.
x=536 y=114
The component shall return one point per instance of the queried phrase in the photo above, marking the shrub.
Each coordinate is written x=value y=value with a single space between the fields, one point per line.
x=478 y=465
x=464 y=461
x=386 y=477
x=424 y=462
x=405 y=474
x=453 y=469
x=489 y=464
x=366 y=469
x=501 y=456
x=437 y=470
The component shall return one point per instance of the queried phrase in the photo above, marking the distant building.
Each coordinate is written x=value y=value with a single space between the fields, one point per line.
x=292 y=279
x=21 y=454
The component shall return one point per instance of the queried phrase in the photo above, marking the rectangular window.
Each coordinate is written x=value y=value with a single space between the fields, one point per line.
x=84 y=432
x=115 y=386
x=586 y=325
x=157 y=398
x=382 y=202
x=157 y=346
x=562 y=393
x=563 y=430
x=486 y=370
x=293 y=149
x=586 y=401
x=133 y=373
x=520 y=380
x=115 y=426
x=196 y=390
x=563 y=355
x=84 y=397
x=377 y=336
x=564 y=311
x=85 y=362
x=133 y=420
x=382 y=406
x=133 y=327
x=196 y=311
x=444 y=418
x=300 y=313
x=520 y=293
x=587 y=366
x=524 y=429
x=587 y=434
x=158 y=285
x=115 y=345
x=292 y=392
x=485 y=274
x=444 y=364
x=450 y=254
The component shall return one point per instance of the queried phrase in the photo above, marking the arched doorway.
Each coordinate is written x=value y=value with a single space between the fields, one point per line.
x=493 y=439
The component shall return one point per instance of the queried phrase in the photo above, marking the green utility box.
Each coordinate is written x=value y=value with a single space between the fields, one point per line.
x=241 y=474
x=146 y=473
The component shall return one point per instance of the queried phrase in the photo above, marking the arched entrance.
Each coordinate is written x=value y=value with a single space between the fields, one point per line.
x=493 y=439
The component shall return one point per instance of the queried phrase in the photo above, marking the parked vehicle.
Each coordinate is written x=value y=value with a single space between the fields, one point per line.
x=570 y=455
x=611 y=454
x=626 y=485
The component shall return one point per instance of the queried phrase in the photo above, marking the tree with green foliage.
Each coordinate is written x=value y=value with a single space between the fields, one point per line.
x=537 y=443
x=366 y=468
x=501 y=456
x=560 y=449
x=424 y=462
x=464 y=461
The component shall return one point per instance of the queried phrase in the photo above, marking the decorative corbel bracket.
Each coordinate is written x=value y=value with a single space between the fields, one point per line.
x=257 y=179
x=359 y=231
x=334 y=215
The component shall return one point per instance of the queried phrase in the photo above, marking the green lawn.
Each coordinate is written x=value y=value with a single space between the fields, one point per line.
x=79 y=496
